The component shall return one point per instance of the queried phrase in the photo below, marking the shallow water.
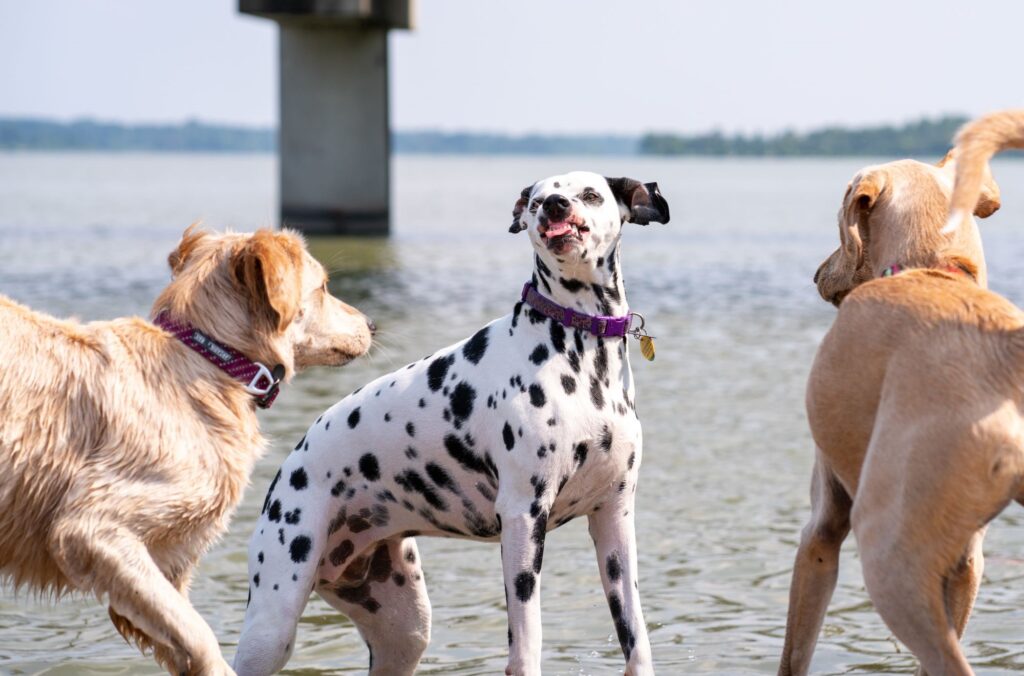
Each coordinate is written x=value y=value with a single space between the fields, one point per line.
x=726 y=288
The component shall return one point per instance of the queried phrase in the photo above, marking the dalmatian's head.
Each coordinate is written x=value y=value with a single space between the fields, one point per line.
x=576 y=218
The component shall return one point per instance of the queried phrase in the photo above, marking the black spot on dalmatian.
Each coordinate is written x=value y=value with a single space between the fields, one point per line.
x=525 y=582
x=413 y=482
x=626 y=637
x=410 y=429
x=614 y=567
x=256 y=579
x=462 y=400
x=577 y=336
x=537 y=397
x=574 y=361
x=301 y=441
x=387 y=417
x=274 y=514
x=596 y=395
x=423 y=403
x=410 y=556
x=508 y=437
x=299 y=548
x=558 y=337
x=270 y=491
x=579 y=456
x=259 y=557
x=606 y=439
x=280 y=535
x=468 y=459
x=353 y=418
x=543 y=269
x=570 y=285
x=292 y=518
x=398 y=579
x=338 y=488
x=369 y=467
x=632 y=459
x=601 y=362
x=327 y=425
x=298 y=479
x=341 y=553
x=437 y=371
x=568 y=384
x=539 y=354
x=440 y=477
x=540 y=528
x=475 y=347
x=411 y=453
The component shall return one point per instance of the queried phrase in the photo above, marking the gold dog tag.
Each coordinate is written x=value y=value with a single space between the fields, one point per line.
x=647 y=347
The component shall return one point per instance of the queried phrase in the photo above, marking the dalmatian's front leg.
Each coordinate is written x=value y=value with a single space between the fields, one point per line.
x=522 y=554
x=614 y=537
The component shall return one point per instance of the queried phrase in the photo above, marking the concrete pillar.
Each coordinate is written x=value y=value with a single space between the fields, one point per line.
x=334 y=138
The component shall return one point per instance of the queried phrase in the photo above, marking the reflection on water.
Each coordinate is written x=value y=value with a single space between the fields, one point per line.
x=726 y=288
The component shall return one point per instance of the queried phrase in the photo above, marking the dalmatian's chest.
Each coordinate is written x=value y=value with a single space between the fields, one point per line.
x=525 y=411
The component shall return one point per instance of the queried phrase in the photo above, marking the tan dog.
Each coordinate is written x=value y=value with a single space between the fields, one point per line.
x=914 y=403
x=124 y=451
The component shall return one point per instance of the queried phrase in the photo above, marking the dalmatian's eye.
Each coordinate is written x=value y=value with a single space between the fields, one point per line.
x=591 y=197
x=534 y=205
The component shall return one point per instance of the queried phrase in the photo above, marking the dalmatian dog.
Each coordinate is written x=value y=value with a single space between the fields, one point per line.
x=502 y=437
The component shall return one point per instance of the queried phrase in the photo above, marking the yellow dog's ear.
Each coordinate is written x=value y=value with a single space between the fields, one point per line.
x=268 y=269
x=861 y=195
x=189 y=239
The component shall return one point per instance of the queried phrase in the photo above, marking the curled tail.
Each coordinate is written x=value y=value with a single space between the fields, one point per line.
x=976 y=143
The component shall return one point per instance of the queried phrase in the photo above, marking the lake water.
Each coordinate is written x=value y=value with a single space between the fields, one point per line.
x=726 y=288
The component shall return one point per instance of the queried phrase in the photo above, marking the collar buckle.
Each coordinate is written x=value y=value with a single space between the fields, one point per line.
x=263 y=374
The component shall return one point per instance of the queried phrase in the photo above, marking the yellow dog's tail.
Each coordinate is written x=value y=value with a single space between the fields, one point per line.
x=976 y=143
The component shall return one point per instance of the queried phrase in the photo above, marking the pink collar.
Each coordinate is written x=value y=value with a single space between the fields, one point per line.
x=949 y=267
x=259 y=381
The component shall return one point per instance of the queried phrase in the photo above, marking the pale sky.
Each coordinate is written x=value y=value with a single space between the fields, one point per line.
x=621 y=66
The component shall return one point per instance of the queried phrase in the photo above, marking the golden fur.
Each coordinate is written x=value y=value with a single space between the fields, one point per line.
x=915 y=405
x=124 y=452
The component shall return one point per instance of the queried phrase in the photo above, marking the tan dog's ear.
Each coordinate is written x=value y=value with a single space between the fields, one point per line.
x=860 y=197
x=268 y=268
x=189 y=239
x=519 y=208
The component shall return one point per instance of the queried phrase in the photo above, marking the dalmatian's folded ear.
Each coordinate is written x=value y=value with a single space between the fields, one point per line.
x=640 y=202
x=519 y=208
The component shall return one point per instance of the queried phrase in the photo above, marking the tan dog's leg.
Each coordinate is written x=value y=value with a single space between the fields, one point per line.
x=110 y=561
x=962 y=586
x=390 y=608
x=915 y=526
x=815 y=569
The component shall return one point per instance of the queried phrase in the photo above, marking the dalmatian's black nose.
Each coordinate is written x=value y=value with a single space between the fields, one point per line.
x=556 y=207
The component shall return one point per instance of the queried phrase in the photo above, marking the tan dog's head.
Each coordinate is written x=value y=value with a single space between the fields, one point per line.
x=895 y=214
x=263 y=294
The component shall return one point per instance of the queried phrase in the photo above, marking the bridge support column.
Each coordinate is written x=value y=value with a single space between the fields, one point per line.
x=334 y=136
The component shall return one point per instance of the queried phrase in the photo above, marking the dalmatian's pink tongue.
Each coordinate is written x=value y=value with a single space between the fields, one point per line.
x=557 y=230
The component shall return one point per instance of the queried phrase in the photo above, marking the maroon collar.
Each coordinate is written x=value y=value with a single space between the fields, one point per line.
x=259 y=381
x=599 y=325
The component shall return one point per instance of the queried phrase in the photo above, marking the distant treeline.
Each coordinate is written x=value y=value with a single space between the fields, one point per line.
x=31 y=134
x=921 y=138
x=504 y=144
x=924 y=138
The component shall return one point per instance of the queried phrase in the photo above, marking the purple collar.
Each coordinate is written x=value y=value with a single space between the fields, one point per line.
x=597 y=324
x=259 y=381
